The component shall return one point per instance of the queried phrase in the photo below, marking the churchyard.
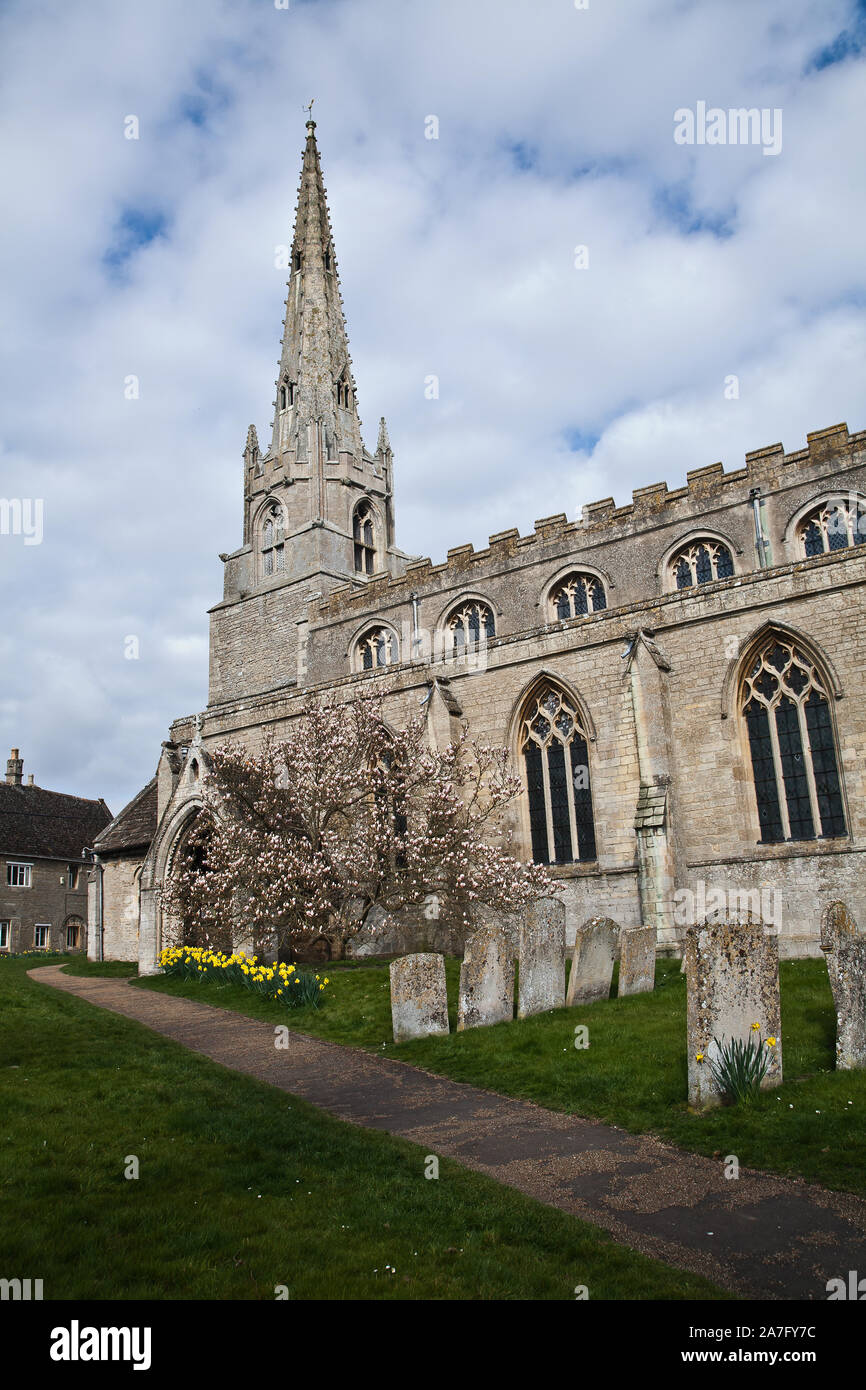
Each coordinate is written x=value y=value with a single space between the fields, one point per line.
x=630 y=1056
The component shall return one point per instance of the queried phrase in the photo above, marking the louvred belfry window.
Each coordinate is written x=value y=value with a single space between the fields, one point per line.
x=273 y=542
x=362 y=535
x=555 y=754
x=793 y=748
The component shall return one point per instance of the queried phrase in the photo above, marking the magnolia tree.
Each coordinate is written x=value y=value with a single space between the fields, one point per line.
x=344 y=815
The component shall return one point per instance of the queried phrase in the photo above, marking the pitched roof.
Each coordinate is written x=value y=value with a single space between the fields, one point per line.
x=134 y=827
x=40 y=824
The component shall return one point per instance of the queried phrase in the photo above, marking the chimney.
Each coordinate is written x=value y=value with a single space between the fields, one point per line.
x=30 y=779
x=14 y=769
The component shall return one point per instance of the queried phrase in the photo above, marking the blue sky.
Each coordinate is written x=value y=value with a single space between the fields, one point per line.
x=154 y=258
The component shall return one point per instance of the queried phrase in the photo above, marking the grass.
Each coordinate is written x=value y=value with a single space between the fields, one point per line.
x=633 y=1074
x=242 y=1188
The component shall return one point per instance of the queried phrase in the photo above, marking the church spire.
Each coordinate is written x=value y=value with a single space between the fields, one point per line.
x=316 y=408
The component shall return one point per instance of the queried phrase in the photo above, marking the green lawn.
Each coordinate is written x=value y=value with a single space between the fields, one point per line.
x=243 y=1188
x=633 y=1073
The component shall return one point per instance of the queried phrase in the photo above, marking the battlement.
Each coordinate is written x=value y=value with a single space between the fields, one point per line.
x=765 y=468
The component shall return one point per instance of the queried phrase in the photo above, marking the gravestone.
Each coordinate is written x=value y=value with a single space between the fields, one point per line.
x=486 y=980
x=844 y=946
x=592 y=961
x=732 y=981
x=637 y=961
x=541 y=958
x=419 y=1002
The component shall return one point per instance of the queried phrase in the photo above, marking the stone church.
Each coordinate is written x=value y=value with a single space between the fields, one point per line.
x=677 y=679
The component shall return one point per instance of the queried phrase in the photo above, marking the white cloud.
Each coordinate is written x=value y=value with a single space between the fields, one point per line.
x=456 y=257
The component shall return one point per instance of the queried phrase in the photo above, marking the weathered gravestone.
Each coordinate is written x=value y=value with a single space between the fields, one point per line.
x=419 y=1002
x=637 y=960
x=732 y=982
x=541 y=958
x=845 y=948
x=592 y=961
x=486 y=979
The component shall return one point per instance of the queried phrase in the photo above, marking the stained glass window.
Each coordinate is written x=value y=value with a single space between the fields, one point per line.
x=794 y=764
x=556 y=762
x=701 y=563
x=577 y=594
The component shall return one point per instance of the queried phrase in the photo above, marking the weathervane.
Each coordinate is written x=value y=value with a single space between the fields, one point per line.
x=309 y=110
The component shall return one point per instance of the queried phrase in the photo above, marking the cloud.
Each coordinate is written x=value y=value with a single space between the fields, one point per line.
x=153 y=259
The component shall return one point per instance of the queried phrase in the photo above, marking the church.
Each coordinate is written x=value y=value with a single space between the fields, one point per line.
x=676 y=678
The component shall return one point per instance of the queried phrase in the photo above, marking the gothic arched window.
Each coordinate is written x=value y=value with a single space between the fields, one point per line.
x=273 y=541
x=377 y=647
x=794 y=764
x=700 y=562
x=577 y=594
x=469 y=625
x=837 y=524
x=362 y=534
x=555 y=754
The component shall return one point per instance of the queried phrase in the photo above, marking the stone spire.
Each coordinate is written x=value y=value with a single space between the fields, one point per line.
x=316 y=415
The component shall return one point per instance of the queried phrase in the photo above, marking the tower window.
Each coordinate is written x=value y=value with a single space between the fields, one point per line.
x=377 y=647
x=700 y=563
x=284 y=397
x=837 y=524
x=273 y=542
x=577 y=594
x=794 y=763
x=362 y=534
x=470 y=625
x=555 y=755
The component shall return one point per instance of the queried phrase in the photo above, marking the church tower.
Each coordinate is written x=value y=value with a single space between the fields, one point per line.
x=318 y=506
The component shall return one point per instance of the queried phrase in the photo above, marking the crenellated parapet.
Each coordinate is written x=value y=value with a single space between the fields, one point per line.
x=709 y=489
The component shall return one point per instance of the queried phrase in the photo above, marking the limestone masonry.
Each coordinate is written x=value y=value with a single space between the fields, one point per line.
x=679 y=679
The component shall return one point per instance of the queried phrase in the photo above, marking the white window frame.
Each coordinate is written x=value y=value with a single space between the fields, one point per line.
x=5 y=934
x=26 y=872
x=42 y=926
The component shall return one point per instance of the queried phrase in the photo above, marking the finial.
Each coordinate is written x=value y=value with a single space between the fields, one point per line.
x=311 y=124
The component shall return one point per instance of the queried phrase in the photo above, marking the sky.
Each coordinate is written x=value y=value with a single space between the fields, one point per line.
x=604 y=304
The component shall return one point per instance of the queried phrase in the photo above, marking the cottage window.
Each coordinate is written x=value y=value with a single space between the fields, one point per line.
x=40 y=935
x=19 y=875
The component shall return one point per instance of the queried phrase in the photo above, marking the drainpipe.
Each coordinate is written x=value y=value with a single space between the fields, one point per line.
x=760 y=538
x=414 y=598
